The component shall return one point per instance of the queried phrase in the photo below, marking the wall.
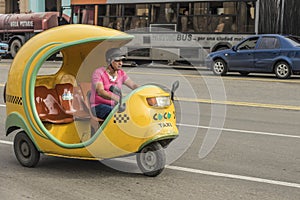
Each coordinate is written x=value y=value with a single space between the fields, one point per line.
x=25 y=6
x=271 y=13
x=2 y=6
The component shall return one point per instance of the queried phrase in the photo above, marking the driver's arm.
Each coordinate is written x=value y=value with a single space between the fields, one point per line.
x=104 y=94
x=129 y=83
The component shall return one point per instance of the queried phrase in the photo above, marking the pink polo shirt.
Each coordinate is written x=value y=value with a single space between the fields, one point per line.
x=101 y=75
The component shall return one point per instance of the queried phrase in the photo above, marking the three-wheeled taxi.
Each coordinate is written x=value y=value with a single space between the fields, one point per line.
x=49 y=111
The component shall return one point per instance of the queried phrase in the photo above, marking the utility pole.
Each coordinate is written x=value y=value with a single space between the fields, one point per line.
x=282 y=16
x=257 y=13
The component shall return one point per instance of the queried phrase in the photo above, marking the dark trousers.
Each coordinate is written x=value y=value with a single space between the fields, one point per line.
x=102 y=110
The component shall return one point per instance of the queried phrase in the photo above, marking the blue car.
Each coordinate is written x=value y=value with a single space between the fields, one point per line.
x=266 y=53
x=3 y=49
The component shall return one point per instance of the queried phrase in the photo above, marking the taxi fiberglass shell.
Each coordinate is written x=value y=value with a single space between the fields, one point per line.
x=49 y=112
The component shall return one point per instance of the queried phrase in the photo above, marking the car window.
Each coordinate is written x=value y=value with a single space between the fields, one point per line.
x=248 y=44
x=269 y=43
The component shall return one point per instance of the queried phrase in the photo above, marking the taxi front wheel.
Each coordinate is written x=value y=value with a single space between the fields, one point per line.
x=151 y=159
x=25 y=151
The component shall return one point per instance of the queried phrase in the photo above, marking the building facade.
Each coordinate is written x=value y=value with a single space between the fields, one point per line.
x=26 y=6
x=2 y=6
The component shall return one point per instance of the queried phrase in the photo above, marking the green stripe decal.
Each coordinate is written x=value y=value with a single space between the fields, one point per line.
x=57 y=46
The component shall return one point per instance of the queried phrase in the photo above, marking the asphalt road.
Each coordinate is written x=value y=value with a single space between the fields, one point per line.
x=253 y=122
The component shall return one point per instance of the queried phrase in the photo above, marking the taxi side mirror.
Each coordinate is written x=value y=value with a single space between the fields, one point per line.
x=175 y=86
x=117 y=91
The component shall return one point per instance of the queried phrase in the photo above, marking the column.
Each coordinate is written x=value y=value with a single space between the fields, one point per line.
x=2 y=6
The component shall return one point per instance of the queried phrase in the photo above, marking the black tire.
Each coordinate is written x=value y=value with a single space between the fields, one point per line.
x=219 y=67
x=244 y=73
x=52 y=57
x=4 y=93
x=25 y=151
x=282 y=70
x=15 y=45
x=151 y=159
x=222 y=48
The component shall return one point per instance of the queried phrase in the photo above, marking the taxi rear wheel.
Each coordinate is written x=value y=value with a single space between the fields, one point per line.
x=151 y=159
x=25 y=151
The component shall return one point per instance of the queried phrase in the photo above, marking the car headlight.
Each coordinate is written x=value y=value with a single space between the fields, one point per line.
x=159 y=102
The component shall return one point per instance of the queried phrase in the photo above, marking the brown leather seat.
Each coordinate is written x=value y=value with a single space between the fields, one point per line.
x=48 y=106
x=65 y=95
x=72 y=100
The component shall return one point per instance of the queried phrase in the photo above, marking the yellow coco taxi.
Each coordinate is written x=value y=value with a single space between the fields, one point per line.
x=50 y=113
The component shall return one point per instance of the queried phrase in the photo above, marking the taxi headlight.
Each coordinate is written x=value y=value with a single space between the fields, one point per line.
x=159 y=101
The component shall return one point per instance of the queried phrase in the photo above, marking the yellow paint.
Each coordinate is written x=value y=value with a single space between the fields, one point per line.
x=78 y=44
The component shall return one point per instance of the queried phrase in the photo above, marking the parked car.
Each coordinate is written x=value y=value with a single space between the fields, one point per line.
x=3 y=49
x=265 y=53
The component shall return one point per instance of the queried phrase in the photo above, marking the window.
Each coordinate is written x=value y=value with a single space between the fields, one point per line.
x=83 y=15
x=248 y=44
x=185 y=21
x=269 y=43
x=185 y=16
x=51 y=5
x=136 y=17
x=124 y=17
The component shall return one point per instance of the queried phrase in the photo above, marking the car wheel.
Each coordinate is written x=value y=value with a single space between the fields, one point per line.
x=244 y=73
x=222 y=48
x=282 y=70
x=219 y=67
x=25 y=151
x=14 y=47
x=151 y=159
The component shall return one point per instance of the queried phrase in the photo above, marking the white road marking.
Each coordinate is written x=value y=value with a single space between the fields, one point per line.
x=231 y=130
x=211 y=173
x=233 y=176
x=242 y=131
x=6 y=142
x=217 y=174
